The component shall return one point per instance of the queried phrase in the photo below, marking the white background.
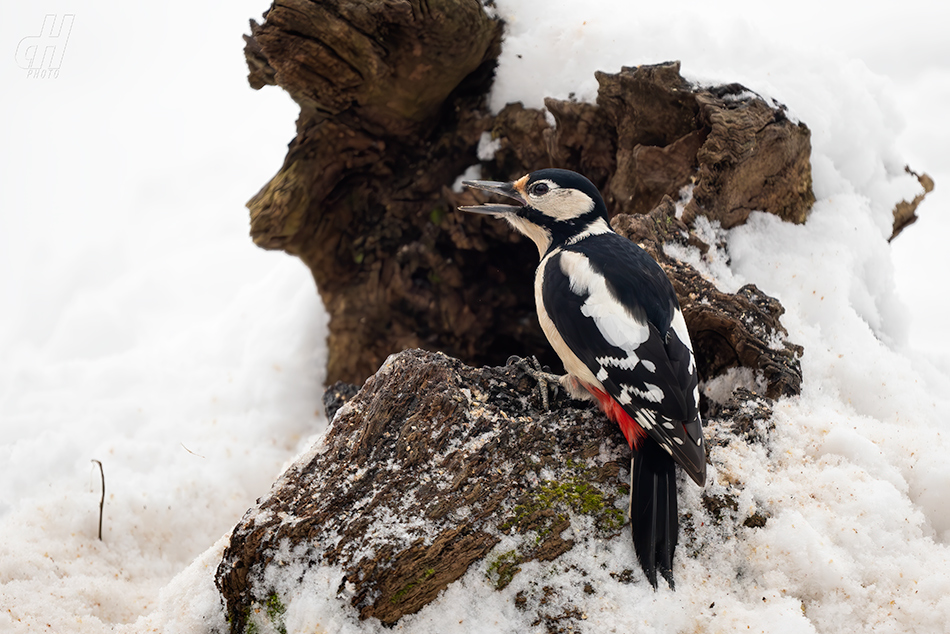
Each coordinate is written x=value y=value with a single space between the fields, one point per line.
x=141 y=327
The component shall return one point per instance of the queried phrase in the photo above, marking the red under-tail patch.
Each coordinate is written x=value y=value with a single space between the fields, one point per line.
x=615 y=412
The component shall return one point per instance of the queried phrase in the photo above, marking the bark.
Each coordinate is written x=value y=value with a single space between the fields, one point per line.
x=392 y=107
x=363 y=195
x=651 y=133
x=905 y=213
x=427 y=467
x=417 y=477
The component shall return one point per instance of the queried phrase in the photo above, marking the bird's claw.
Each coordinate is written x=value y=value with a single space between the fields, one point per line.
x=532 y=367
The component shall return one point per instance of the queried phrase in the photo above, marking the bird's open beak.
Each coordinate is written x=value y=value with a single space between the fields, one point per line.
x=505 y=189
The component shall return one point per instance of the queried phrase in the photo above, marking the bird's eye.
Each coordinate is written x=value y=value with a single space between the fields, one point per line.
x=539 y=189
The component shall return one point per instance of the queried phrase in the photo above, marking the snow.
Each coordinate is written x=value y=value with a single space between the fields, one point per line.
x=141 y=327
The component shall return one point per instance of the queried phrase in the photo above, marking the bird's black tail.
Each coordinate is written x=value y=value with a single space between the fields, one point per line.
x=653 y=513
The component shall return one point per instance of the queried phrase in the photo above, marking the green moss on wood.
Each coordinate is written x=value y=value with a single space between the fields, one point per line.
x=273 y=608
x=504 y=568
x=575 y=494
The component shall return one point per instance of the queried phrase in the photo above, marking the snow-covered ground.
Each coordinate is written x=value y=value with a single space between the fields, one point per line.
x=140 y=327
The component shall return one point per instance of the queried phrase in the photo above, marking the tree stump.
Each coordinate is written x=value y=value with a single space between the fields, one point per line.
x=392 y=106
x=363 y=195
x=432 y=460
x=415 y=479
x=424 y=470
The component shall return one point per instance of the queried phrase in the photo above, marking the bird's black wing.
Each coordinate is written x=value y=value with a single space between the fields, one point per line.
x=610 y=302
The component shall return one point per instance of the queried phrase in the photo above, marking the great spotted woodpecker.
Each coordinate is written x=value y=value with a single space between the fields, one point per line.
x=611 y=314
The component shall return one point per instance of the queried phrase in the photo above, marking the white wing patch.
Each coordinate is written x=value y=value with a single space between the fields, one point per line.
x=646 y=418
x=616 y=324
x=652 y=393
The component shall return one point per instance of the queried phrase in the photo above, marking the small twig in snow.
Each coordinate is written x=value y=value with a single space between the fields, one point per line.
x=189 y=450
x=102 y=500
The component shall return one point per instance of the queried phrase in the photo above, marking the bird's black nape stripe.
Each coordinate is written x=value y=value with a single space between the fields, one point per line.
x=562 y=230
x=653 y=511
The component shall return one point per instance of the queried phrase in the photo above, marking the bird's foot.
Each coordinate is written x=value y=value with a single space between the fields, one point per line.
x=532 y=367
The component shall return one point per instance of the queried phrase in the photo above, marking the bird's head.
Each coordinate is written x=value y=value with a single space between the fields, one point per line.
x=553 y=206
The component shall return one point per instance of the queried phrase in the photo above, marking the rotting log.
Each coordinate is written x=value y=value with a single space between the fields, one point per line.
x=363 y=197
x=426 y=468
x=905 y=213
x=392 y=111
x=418 y=475
x=392 y=107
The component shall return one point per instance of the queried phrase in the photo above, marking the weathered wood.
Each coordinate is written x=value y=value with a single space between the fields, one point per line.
x=429 y=465
x=651 y=133
x=392 y=107
x=363 y=200
x=905 y=213
x=418 y=475
x=384 y=66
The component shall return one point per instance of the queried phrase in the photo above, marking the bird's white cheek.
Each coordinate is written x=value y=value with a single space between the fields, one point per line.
x=565 y=204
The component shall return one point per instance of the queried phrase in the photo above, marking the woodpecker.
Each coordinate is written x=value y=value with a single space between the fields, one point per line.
x=610 y=313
